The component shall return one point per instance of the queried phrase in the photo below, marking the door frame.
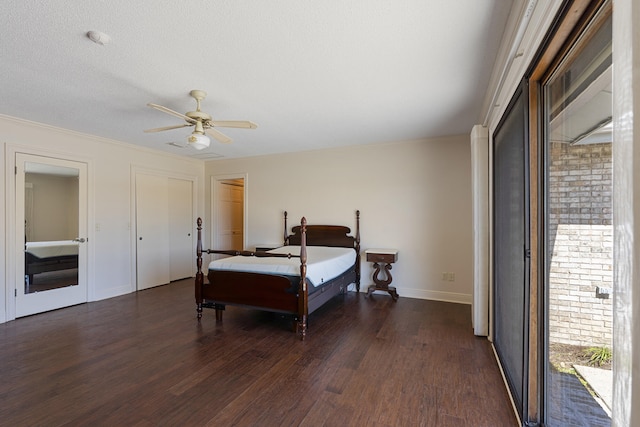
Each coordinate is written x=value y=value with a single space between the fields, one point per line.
x=215 y=215
x=10 y=220
x=134 y=171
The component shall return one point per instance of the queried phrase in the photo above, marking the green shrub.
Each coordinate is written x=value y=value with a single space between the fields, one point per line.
x=598 y=355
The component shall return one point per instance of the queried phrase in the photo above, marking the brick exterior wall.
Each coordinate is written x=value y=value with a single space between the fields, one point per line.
x=580 y=243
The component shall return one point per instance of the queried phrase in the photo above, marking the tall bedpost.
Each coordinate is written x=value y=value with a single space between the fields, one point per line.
x=303 y=296
x=286 y=234
x=358 y=251
x=199 y=275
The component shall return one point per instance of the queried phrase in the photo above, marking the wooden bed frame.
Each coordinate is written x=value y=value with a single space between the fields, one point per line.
x=278 y=293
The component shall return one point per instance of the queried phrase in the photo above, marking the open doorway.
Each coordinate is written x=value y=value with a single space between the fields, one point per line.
x=229 y=212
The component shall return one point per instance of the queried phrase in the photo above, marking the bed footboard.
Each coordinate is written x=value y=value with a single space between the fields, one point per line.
x=263 y=291
x=273 y=292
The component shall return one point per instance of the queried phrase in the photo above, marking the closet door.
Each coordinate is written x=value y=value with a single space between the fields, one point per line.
x=511 y=246
x=152 y=231
x=181 y=223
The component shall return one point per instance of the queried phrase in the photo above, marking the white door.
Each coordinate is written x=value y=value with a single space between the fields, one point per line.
x=181 y=225
x=152 y=231
x=51 y=248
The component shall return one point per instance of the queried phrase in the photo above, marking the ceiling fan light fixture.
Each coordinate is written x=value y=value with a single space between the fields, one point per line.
x=198 y=141
x=202 y=122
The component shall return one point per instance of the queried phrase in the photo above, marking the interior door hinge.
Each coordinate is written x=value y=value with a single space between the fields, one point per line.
x=15 y=170
x=15 y=293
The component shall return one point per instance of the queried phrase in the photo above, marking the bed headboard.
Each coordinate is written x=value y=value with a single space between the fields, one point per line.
x=325 y=235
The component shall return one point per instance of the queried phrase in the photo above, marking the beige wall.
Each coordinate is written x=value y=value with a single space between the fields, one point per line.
x=413 y=196
x=111 y=165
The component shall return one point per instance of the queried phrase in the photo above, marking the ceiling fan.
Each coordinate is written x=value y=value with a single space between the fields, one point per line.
x=203 y=123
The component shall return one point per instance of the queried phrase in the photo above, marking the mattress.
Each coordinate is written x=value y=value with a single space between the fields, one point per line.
x=323 y=263
x=52 y=249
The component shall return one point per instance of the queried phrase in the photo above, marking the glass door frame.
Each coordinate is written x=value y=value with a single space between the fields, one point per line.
x=574 y=16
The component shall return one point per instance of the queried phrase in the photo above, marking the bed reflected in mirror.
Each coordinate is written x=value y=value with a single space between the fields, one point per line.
x=51 y=227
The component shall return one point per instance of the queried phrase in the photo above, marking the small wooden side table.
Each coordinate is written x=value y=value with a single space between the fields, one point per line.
x=382 y=258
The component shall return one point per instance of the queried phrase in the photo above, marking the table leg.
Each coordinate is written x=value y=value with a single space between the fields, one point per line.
x=383 y=284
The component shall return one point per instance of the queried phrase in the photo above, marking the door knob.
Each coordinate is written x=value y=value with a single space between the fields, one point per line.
x=80 y=239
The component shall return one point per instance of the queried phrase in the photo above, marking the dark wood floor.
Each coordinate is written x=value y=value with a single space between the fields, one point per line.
x=144 y=360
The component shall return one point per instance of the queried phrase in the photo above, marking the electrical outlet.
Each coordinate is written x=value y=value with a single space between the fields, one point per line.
x=447 y=276
x=603 y=292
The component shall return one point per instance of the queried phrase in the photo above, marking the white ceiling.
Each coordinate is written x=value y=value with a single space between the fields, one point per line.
x=311 y=74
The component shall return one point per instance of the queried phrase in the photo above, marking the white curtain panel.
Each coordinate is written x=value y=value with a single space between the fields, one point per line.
x=480 y=195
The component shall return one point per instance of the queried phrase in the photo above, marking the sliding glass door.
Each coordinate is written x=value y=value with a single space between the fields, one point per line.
x=578 y=233
x=553 y=288
x=511 y=246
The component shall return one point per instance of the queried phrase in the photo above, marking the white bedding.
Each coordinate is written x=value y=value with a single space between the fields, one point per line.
x=52 y=249
x=323 y=263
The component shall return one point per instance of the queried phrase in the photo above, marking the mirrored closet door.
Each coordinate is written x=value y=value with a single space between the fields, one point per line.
x=51 y=218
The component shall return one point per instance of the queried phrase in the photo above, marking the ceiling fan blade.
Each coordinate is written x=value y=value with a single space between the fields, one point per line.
x=218 y=135
x=170 y=111
x=167 y=128
x=234 y=124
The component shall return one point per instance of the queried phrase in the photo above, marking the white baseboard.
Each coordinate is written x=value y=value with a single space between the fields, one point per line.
x=111 y=292
x=432 y=295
